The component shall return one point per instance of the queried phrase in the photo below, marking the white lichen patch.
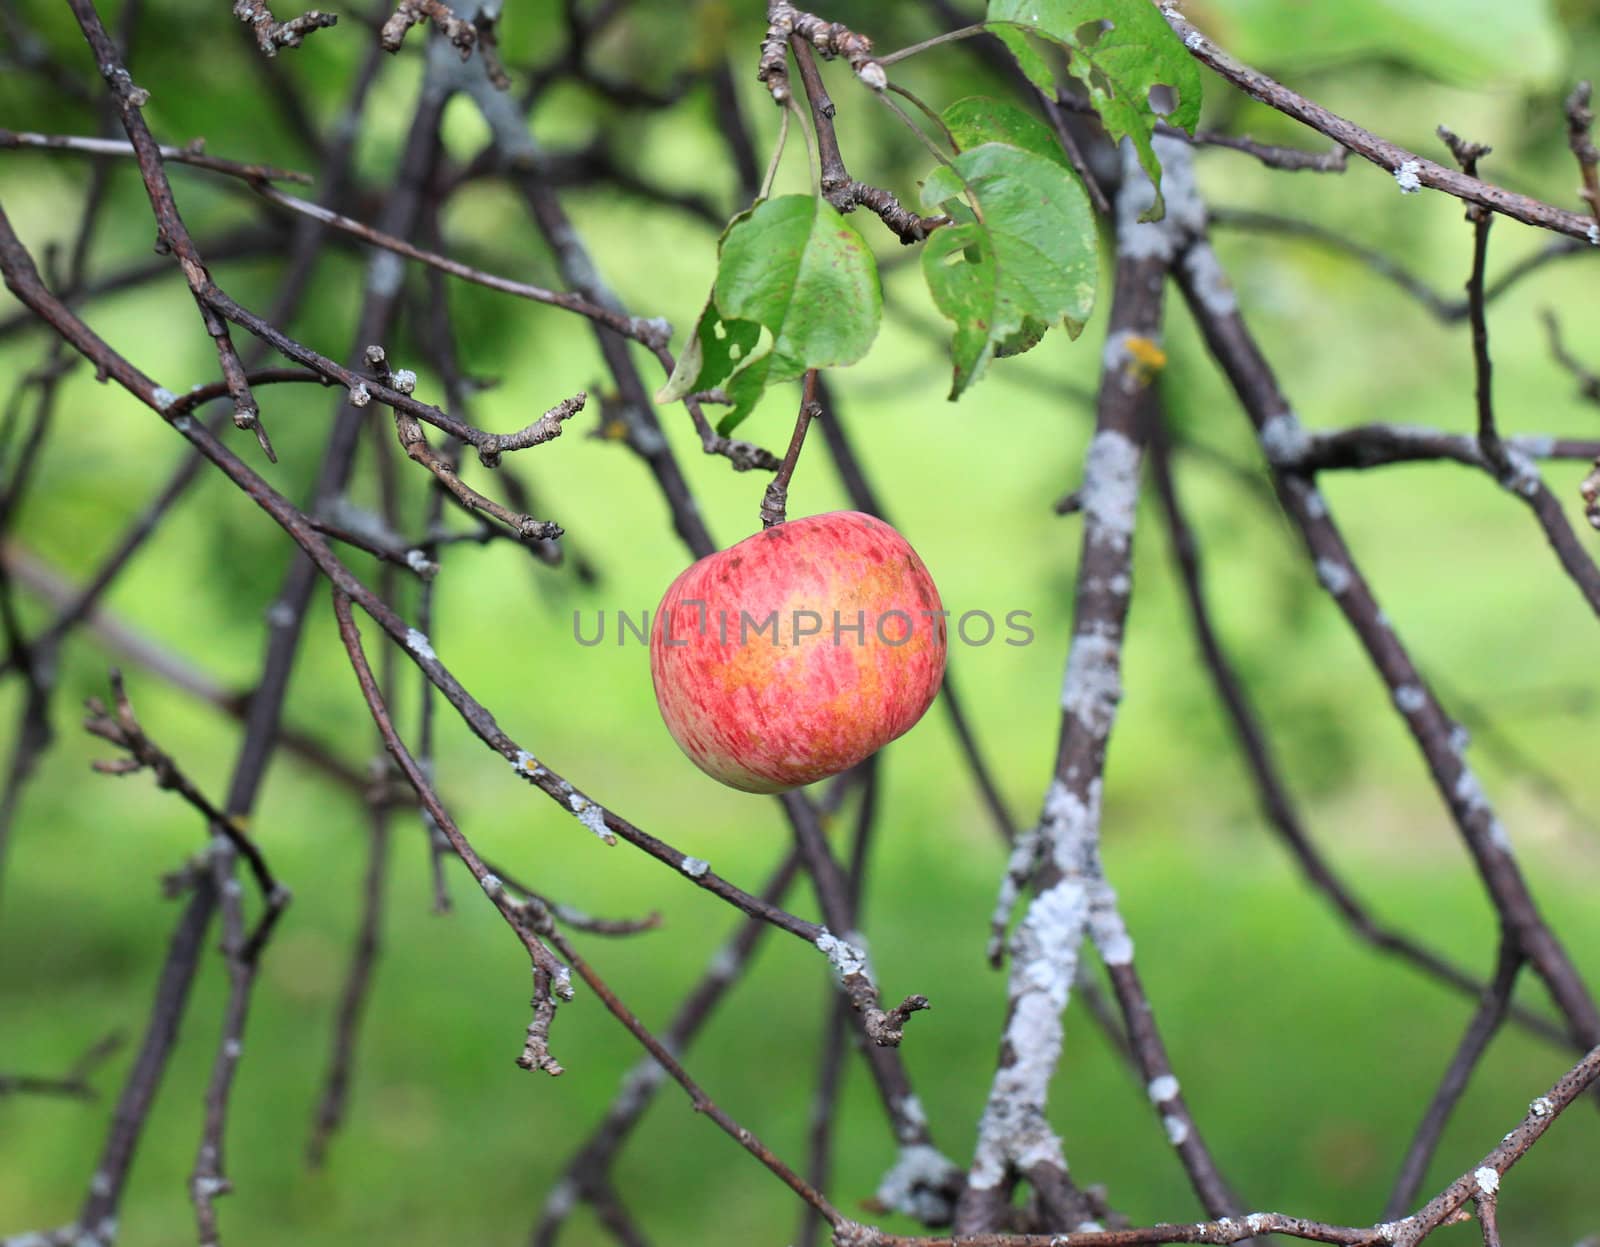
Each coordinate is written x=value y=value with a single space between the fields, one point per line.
x=1110 y=488
x=1283 y=439
x=563 y=1198
x=1410 y=698
x=1209 y=283
x=385 y=274
x=1162 y=1089
x=1256 y=1222
x=1014 y=1129
x=1115 y=354
x=846 y=959
x=561 y=983
x=1594 y=235
x=360 y=396
x=591 y=816
x=417 y=643
x=1487 y=1180
x=1335 y=577
x=654 y=328
x=1523 y=478
x=1069 y=825
x=1024 y=857
x=1044 y=962
x=492 y=885
x=1185 y=215
x=914 y=1186
x=1092 y=686
x=1177 y=1129
x=694 y=867
x=1109 y=931
x=1469 y=791
x=526 y=765
x=405 y=380
x=1542 y=1107
x=648 y=440
x=637 y=1084
x=1406 y=177
x=724 y=963
x=1193 y=40
x=164 y=398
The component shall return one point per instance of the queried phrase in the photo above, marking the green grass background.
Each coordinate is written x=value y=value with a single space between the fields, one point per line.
x=1306 y=1057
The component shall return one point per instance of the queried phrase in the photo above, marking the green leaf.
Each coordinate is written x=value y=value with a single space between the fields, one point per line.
x=1119 y=50
x=1467 y=42
x=978 y=119
x=796 y=289
x=1027 y=259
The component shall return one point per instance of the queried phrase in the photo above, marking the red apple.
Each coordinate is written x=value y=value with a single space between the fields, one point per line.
x=798 y=652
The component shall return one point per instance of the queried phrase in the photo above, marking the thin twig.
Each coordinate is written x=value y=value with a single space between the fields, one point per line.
x=74 y=1084
x=1580 y=123
x=193 y=154
x=775 y=502
x=1486 y=1020
x=121 y=727
x=1467 y=155
x=551 y=979
x=174 y=234
x=653 y=333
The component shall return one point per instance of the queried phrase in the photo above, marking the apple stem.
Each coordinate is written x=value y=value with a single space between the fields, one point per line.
x=775 y=502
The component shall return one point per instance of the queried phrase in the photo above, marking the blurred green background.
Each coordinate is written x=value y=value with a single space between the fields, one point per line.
x=1306 y=1057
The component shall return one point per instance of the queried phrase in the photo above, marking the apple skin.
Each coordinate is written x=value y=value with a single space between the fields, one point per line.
x=766 y=717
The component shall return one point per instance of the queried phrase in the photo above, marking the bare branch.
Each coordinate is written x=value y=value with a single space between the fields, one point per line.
x=1410 y=170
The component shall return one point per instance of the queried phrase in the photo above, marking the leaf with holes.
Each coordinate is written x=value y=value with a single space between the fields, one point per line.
x=796 y=289
x=1122 y=51
x=1020 y=254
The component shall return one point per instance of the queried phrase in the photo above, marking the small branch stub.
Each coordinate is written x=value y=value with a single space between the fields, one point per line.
x=272 y=34
x=409 y=13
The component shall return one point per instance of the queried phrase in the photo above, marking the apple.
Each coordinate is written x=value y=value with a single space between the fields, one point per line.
x=798 y=652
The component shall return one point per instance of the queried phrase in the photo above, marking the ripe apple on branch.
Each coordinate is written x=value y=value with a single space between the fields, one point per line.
x=798 y=652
